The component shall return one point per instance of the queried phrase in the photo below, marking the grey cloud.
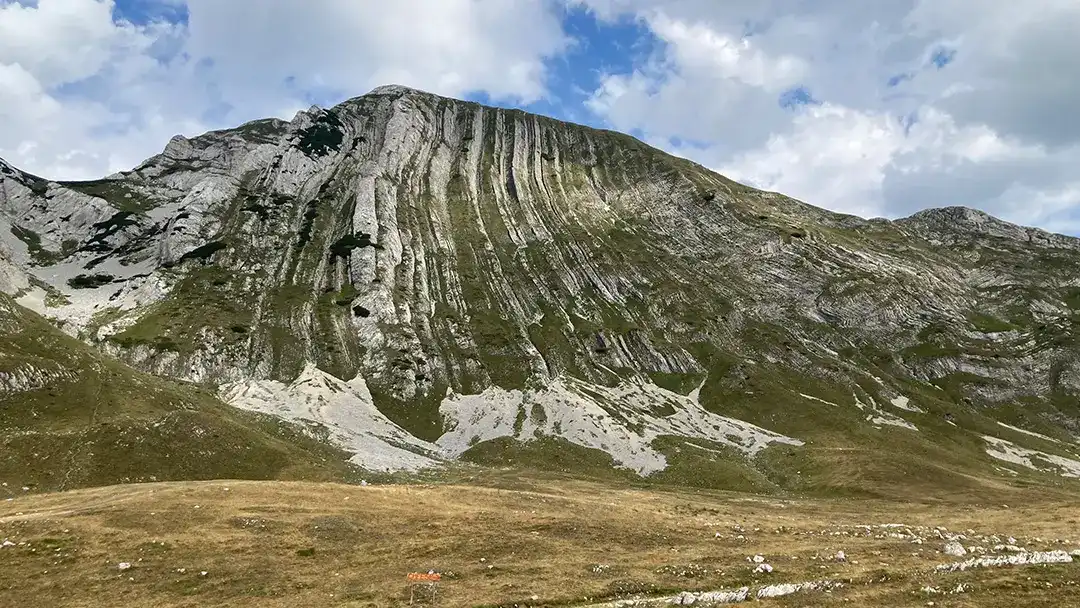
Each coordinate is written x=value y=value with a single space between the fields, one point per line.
x=1029 y=87
x=996 y=187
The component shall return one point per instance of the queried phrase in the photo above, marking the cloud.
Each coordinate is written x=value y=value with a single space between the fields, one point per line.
x=92 y=92
x=83 y=94
x=59 y=41
x=71 y=79
x=875 y=108
x=891 y=107
x=1017 y=62
x=700 y=80
x=450 y=47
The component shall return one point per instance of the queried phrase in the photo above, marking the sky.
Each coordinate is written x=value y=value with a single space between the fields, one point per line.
x=879 y=109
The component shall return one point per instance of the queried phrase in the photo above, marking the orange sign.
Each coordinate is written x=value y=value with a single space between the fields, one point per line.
x=424 y=577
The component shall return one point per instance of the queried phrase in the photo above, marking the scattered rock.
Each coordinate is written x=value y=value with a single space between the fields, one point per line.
x=783 y=589
x=763 y=569
x=711 y=598
x=687 y=571
x=123 y=566
x=685 y=599
x=955 y=549
x=1015 y=559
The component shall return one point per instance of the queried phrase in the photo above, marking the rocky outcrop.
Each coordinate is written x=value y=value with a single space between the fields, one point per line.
x=24 y=377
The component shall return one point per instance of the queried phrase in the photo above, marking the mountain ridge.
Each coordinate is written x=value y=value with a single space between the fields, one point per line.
x=970 y=214
x=433 y=249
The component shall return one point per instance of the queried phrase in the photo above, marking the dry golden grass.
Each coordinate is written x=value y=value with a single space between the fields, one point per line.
x=561 y=542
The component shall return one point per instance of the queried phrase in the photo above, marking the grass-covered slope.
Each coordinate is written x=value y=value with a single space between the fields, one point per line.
x=70 y=417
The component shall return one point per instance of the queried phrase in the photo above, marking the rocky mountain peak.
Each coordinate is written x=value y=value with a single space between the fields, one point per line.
x=947 y=224
x=397 y=90
x=484 y=277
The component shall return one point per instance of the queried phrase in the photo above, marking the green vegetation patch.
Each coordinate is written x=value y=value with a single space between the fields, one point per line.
x=704 y=464
x=1072 y=298
x=549 y=454
x=266 y=130
x=37 y=251
x=118 y=193
x=342 y=247
x=205 y=298
x=106 y=423
x=324 y=136
x=419 y=416
x=307 y=223
x=203 y=253
x=953 y=384
x=90 y=281
x=258 y=209
x=498 y=339
x=988 y=323
x=681 y=383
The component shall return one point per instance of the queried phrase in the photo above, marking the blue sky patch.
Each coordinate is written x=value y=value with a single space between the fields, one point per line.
x=796 y=97
x=599 y=48
x=942 y=57
x=684 y=143
x=899 y=79
x=141 y=12
x=908 y=121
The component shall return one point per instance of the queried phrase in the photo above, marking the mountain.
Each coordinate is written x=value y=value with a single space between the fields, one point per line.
x=434 y=279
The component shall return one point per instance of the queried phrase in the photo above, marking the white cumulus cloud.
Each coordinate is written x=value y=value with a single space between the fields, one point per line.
x=914 y=103
x=85 y=92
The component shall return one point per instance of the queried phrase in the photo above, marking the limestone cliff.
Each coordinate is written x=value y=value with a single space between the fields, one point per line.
x=437 y=249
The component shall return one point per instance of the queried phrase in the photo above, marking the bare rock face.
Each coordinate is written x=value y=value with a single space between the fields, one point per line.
x=436 y=249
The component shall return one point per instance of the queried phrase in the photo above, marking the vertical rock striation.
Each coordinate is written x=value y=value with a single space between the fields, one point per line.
x=436 y=248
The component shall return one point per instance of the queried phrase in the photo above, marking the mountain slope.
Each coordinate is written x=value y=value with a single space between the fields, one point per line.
x=73 y=418
x=486 y=277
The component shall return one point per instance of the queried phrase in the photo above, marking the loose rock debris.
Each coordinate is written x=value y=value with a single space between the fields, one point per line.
x=1015 y=559
x=723 y=596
